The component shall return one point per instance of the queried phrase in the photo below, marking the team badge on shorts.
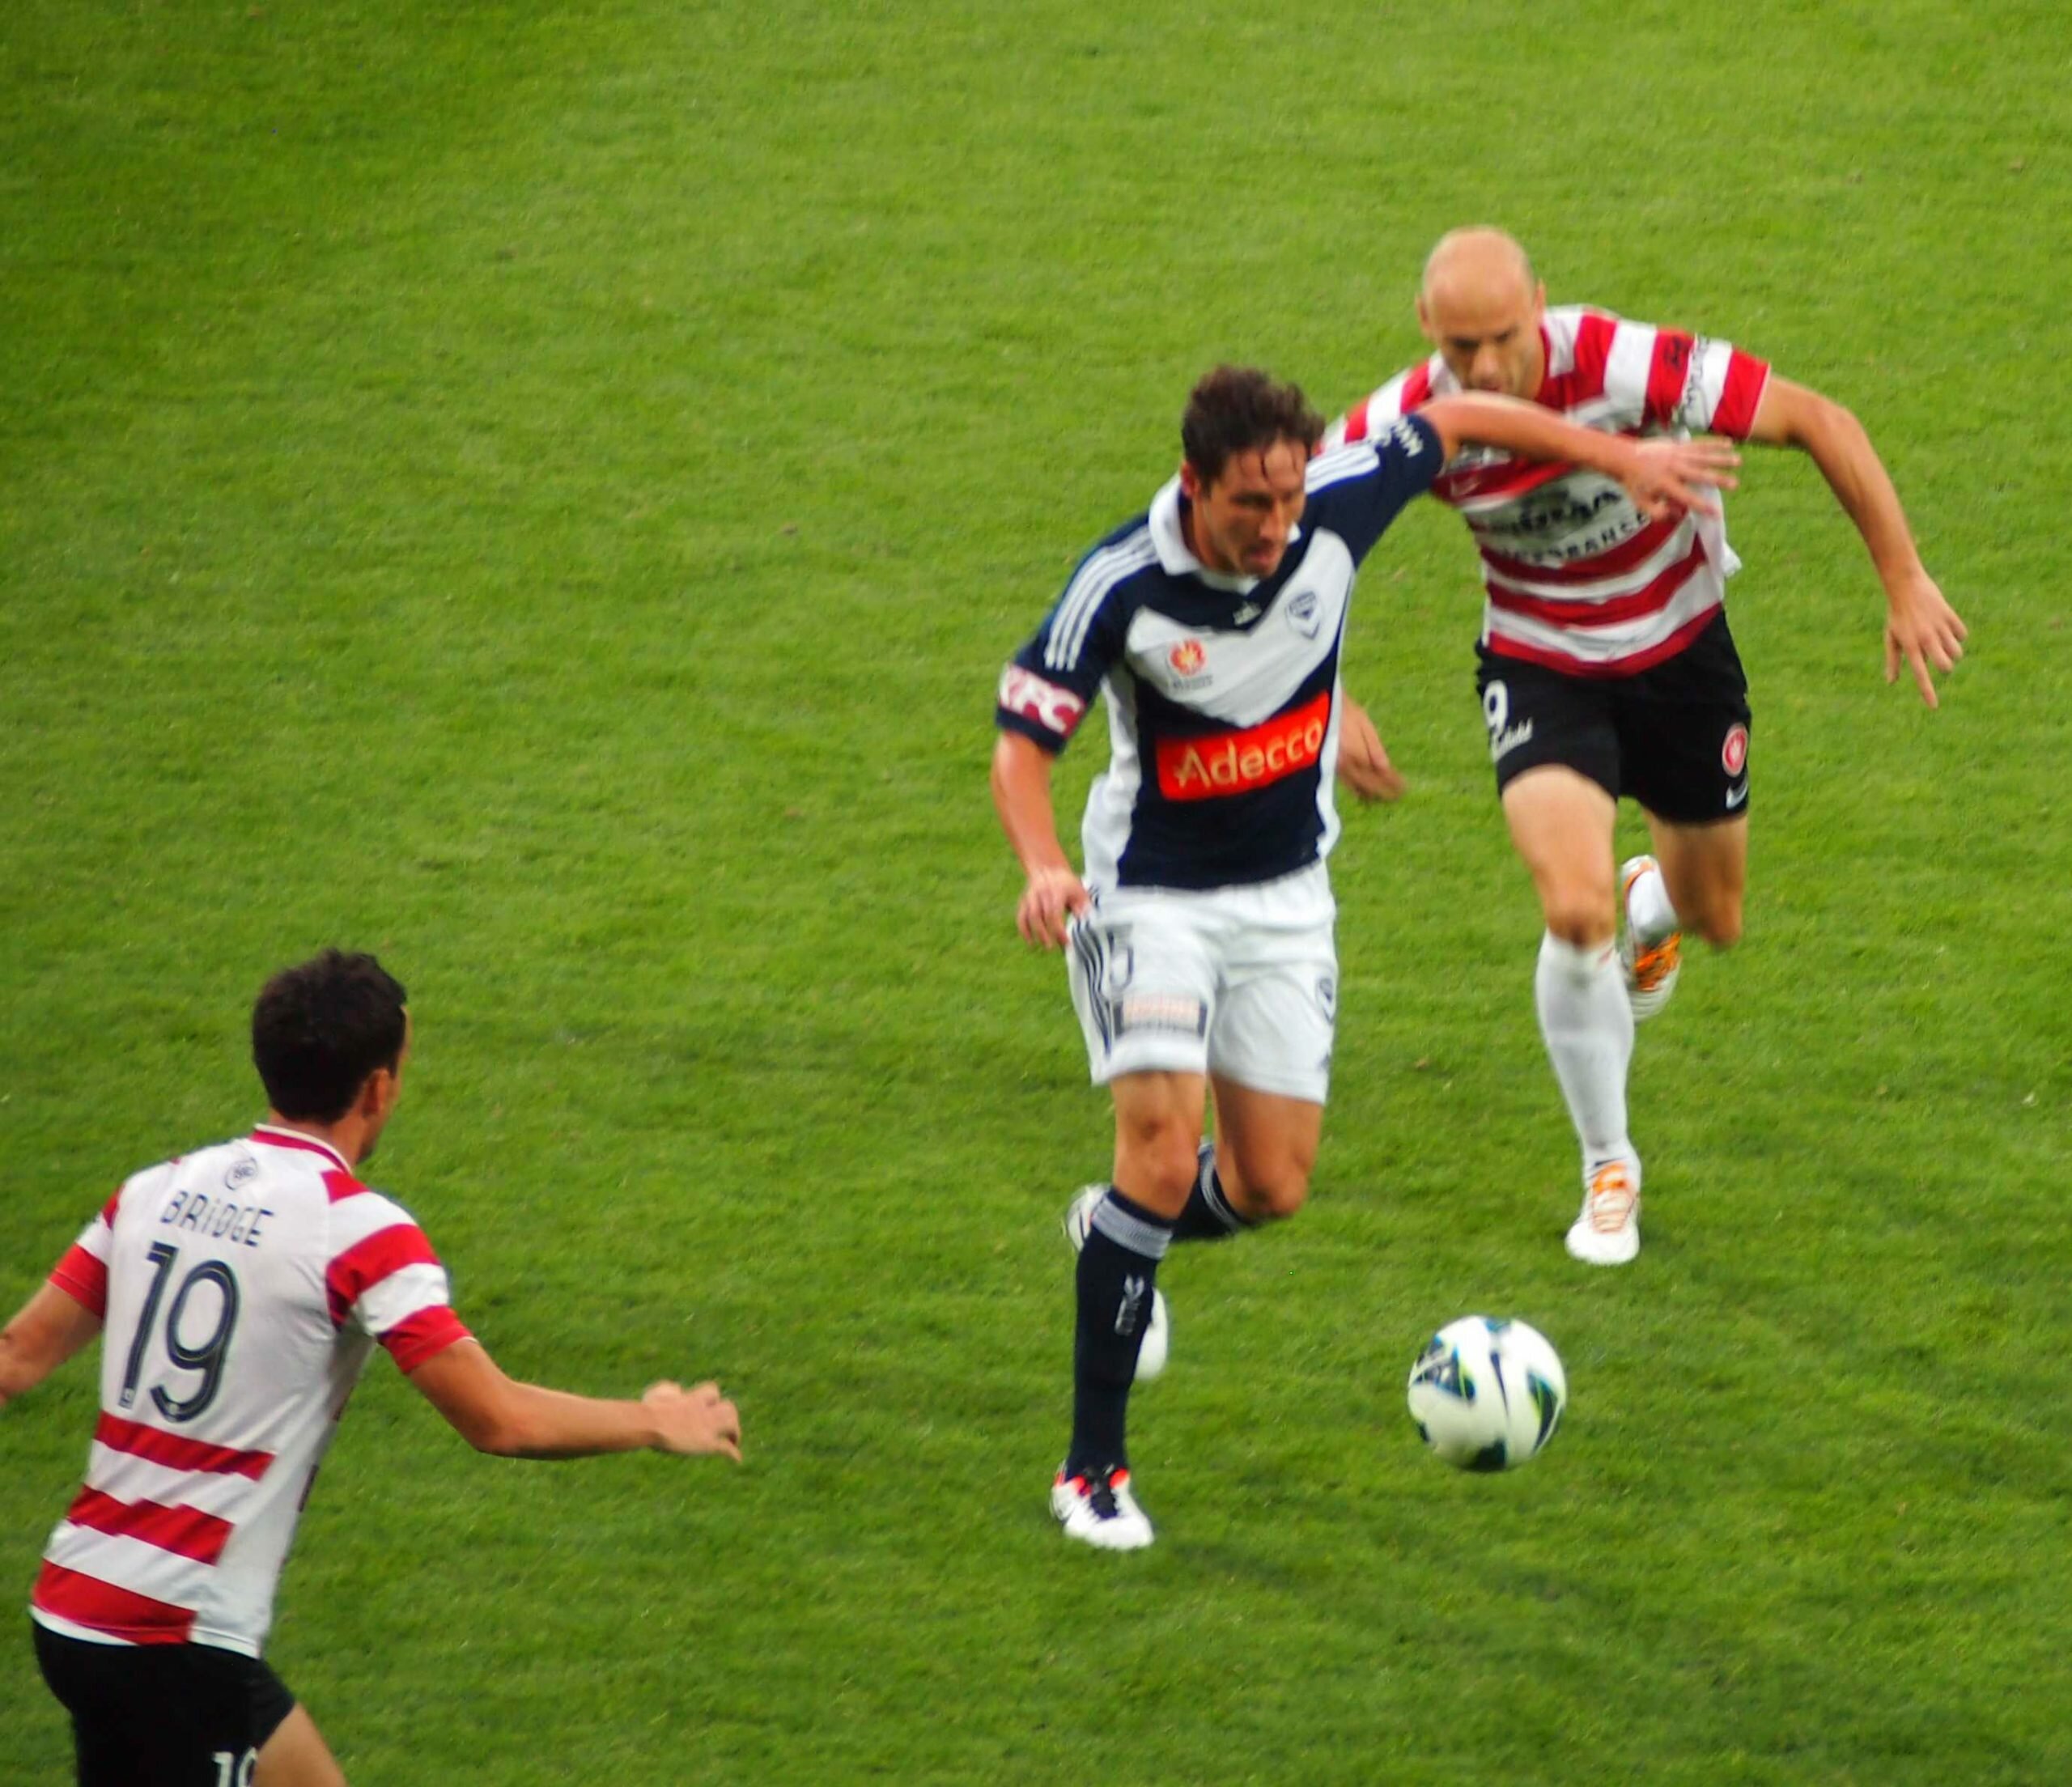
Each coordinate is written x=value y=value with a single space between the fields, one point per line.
x=1734 y=754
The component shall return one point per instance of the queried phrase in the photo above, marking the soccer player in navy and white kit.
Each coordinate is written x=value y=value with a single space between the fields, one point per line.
x=1200 y=953
x=1607 y=668
x=242 y=1289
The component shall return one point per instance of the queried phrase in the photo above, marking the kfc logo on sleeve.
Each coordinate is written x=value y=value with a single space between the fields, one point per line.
x=1025 y=693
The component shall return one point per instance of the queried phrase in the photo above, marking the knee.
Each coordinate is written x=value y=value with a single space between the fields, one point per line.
x=1268 y=1190
x=1582 y=916
x=1156 y=1162
x=1721 y=926
x=1276 y=1198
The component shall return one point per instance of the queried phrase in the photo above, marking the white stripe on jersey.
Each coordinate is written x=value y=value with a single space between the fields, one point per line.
x=1708 y=381
x=1339 y=463
x=131 y=1563
x=1081 y=600
x=399 y=1296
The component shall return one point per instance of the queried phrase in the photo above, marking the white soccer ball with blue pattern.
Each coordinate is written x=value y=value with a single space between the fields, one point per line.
x=1487 y=1394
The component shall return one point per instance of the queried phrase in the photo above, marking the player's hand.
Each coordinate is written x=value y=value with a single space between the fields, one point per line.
x=1052 y=896
x=1922 y=629
x=1363 y=766
x=695 y=1421
x=1665 y=476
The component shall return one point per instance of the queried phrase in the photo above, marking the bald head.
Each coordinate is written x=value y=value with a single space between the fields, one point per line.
x=1478 y=259
x=1480 y=305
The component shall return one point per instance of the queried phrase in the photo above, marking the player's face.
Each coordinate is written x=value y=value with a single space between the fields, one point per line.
x=1487 y=331
x=1240 y=524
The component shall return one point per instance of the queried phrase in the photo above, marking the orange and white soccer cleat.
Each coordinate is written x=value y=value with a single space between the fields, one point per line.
x=1607 y=1232
x=1651 y=969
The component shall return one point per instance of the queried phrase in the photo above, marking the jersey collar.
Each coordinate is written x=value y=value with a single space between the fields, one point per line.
x=308 y=1144
x=1169 y=538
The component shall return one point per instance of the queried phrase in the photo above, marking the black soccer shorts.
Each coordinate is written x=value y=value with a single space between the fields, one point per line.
x=162 y=1715
x=1674 y=737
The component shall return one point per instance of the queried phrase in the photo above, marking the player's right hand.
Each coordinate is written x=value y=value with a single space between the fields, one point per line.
x=1669 y=475
x=1052 y=897
x=694 y=1421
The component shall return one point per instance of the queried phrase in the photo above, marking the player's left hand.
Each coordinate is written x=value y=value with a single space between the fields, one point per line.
x=1924 y=630
x=1667 y=475
x=1363 y=766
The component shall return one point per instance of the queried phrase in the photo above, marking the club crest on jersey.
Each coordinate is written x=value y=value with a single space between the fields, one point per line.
x=1306 y=613
x=1734 y=754
x=1188 y=658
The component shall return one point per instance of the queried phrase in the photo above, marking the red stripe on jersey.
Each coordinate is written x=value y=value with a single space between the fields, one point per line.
x=185 y=1531
x=1506 y=478
x=83 y=1278
x=1355 y=421
x=424 y=1335
x=366 y=1263
x=1585 y=378
x=342 y=1185
x=1416 y=387
x=109 y=1209
x=1597 y=566
x=1650 y=599
x=1644 y=660
x=1669 y=370
x=302 y=1144
x=177 y=1452
x=1741 y=395
x=101 y=1606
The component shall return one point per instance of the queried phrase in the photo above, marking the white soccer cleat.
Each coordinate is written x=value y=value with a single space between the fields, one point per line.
x=1100 y=1511
x=1607 y=1230
x=1158 y=1333
x=1651 y=971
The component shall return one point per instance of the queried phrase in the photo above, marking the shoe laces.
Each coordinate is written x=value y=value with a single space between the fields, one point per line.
x=1612 y=1197
x=1653 y=965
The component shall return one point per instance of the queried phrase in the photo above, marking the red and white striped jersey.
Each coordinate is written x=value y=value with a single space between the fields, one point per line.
x=242 y=1290
x=1576 y=577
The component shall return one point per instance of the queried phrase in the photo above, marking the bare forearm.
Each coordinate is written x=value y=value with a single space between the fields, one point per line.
x=1021 y=796
x=538 y=1423
x=1837 y=443
x=46 y=1331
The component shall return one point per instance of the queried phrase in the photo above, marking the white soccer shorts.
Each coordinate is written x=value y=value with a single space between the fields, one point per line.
x=1238 y=981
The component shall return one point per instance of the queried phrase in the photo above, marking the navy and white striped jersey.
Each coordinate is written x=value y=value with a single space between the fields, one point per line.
x=1223 y=692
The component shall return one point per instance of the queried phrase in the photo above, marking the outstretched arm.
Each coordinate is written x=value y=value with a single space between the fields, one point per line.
x=1660 y=474
x=494 y=1413
x=1021 y=796
x=51 y=1326
x=1920 y=627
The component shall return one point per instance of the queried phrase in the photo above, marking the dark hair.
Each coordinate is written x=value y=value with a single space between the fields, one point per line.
x=1240 y=410
x=320 y=1029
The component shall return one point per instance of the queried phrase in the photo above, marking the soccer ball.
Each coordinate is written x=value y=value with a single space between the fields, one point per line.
x=1157 y=1338
x=1486 y=1393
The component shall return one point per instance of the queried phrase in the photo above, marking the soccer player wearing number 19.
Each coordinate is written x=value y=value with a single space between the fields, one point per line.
x=243 y=1288
x=1201 y=953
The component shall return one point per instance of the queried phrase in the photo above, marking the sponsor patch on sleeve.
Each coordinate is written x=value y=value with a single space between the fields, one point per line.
x=1026 y=694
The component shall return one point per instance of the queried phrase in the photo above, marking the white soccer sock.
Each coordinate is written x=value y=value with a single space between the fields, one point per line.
x=1648 y=915
x=1588 y=1027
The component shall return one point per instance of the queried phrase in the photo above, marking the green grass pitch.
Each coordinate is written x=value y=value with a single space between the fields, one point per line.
x=543 y=491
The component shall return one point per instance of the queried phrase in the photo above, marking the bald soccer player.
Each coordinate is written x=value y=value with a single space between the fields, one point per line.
x=1606 y=670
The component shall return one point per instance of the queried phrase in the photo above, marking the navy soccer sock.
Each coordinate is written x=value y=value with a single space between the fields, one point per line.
x=1210 y=1214
x=1117 y=1270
